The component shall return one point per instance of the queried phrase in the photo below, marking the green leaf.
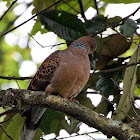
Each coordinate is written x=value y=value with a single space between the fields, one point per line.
x=51 y=121
x=41 y=5
x=67 y=26
x=38 y=27
x=137 y=91
x=114 y=20
x=129 y=28
x=13 y=128
x=72 y=6
x=105 y=85
x=96 y=24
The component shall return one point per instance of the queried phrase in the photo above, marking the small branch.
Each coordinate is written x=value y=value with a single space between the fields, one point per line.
x=6 y=133
x=118 y=108
x=42 y=45
x=31 y=18
x=15 y=78
x=131 y=99
x=122 y=35
x=109 y=127
x=116 y=69
x=96 y=6
x=118 y=23
x=8 y=9
x=82 y=9
x=91 y=137
x=9 y=118
x=6 y=112
x=75 y=135
x=124 y=19
x=70 y=6
x=100 y=72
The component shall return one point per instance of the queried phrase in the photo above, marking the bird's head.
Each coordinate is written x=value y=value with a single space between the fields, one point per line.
x=87 y=43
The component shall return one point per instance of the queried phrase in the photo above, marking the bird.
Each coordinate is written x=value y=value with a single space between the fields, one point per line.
x=65 y=73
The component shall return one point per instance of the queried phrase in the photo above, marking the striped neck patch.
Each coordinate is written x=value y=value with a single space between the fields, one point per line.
x=79 y=44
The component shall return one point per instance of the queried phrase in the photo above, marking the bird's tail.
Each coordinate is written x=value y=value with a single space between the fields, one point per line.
x=33 y=118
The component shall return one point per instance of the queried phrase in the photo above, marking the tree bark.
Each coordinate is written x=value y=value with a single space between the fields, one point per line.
x=19 y=98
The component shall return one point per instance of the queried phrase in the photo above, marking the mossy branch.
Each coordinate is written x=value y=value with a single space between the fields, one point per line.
x=109 y=127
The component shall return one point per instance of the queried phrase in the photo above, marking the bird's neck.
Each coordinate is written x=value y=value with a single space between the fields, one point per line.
x=78 y=51
x=79 y=44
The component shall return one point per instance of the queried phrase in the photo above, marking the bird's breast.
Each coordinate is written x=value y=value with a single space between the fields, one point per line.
x=71 y=75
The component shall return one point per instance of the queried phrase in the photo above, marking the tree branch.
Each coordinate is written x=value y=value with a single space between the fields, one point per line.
x=45 y=46
x=82 y=9
x=70 y=6
x=96 y=6
x=6 y=133
x=117 y=69
x=109 y=127
x=118 y=23
x=31 y=18
x=8 y=9
x=15 y=78
x=100 y=72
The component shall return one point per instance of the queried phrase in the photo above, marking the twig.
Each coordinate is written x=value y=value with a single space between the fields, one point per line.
x=71 y=7
x=82 y=9
x=135 y=110
x=124 y=19
x=15 y=78
x=17 y=84
x=74 y=135
x=116 y=24
x=124 y=92
x=6 y=133
x=6 y=112
x=131 y=99
x=116 y=69
x=8 y=9
x=91 y=137
x=31 y=18
x=42 y=45
x=100 y=72
x=96 y=6
x=130 y=40
x=9 y=117
x=118 y=108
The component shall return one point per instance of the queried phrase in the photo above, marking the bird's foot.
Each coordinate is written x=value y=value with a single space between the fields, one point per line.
x=72 y=99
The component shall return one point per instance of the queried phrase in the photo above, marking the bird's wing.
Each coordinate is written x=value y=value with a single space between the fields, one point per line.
x=45 y=72
x=39 y=82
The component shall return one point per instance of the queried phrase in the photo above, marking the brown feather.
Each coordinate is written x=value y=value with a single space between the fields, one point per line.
x=45 y=72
